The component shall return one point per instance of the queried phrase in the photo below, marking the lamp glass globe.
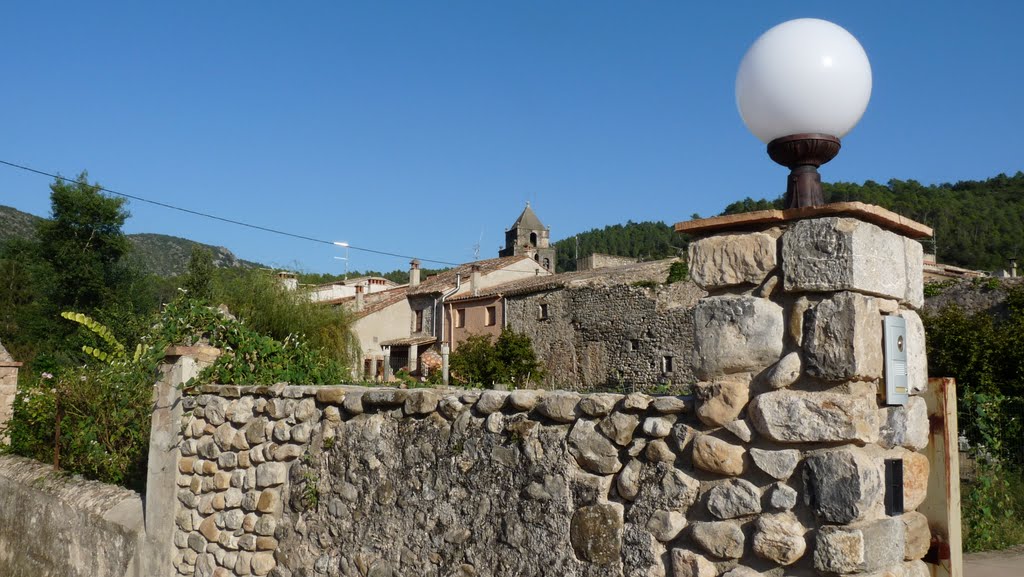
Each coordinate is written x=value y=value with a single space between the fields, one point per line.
x=803 y=76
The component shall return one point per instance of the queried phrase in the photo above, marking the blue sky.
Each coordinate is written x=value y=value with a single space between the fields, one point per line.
x=422 y=127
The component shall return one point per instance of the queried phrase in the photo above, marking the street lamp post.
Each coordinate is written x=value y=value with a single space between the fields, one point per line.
x=802 y=86
x=345 y=258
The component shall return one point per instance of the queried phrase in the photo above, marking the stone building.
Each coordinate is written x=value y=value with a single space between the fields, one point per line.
x=528 y=236
x=396 y=328
x=614 y=328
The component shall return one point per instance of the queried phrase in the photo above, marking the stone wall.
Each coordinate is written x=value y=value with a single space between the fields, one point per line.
x=775 y=466
x=611 y=337
x=598 y=260
x=55 y=526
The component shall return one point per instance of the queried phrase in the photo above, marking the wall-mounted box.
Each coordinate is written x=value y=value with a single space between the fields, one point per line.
x=896 y=381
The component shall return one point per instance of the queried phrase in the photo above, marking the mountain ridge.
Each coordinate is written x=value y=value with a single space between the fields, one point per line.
x=160 y=254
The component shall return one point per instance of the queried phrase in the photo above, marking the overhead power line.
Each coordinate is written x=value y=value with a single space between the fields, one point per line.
x=227 y=220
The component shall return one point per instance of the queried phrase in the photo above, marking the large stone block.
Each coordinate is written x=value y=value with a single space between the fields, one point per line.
x=859 y=548
x=918 y=535
x=843 y=339
x=722 y=400
x=779 y=538
x=596 y=533
x=789 y=416
x=735 y=334
x=723 y=539
x=732 y=259
x=843 y=485
x=717 y=456
x=734 y=498
x=838 y=254
x=906 y=426
x=686 y=563
x=592 y=450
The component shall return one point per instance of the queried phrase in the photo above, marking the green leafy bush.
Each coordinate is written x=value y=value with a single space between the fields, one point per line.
x=94 y=419
x=509 y=360
x=269 y=309
x=993 y=500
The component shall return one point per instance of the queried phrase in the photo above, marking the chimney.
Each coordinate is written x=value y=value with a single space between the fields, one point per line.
x=474 y=280
x=359 y=297
x=287 y=280
x=414 y=273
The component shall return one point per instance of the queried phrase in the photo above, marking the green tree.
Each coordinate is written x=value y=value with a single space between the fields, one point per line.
x=198 y=282
x=509 y=360
x=474 y=362
x=83 y=244
x=517 y=363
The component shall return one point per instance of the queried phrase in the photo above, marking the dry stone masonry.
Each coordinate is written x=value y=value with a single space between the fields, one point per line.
x=774 y=467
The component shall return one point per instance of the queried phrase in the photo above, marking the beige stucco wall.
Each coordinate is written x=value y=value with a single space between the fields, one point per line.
x=392 y=322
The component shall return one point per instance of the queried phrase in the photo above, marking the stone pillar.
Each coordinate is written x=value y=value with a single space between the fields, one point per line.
x=181 y=364
x=387 y=364
x=8 y=389
x=444 y=364
x=414 y=354
x=789 y=352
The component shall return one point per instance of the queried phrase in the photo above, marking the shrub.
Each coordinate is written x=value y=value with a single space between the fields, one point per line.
x=509 y=360
x=269 y=309
x=94 y=420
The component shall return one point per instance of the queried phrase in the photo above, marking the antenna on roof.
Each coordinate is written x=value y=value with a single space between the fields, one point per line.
x=476 y=247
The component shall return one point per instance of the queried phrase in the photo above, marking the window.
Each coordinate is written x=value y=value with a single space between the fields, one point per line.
x=666 y=364
x=418 y=326
x=491 y=316
x=460 y=318
x=547 y=264
x=542 y=311
x=633 y=345
x=533 y=239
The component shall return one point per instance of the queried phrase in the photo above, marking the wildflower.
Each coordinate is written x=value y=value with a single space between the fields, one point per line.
x=47 y=376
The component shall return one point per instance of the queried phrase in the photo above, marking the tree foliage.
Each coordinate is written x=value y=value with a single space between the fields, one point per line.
x=83 y=244
x=978 y=224
x=96 y=417
x=639 y=240
x=509 y=360
x=198 y=281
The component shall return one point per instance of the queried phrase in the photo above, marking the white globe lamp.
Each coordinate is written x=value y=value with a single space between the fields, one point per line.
x=802 y=86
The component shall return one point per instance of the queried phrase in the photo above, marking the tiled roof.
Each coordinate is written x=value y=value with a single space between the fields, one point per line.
x=407 y=341
x=654 y=270
x=372 y=302
x=446 y=280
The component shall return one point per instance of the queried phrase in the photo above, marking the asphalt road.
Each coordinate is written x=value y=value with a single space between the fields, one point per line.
x=1009 y=563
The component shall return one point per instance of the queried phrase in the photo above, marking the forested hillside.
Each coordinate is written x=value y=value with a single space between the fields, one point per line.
x=158 y=254
x=641 y=240
x=978 y=224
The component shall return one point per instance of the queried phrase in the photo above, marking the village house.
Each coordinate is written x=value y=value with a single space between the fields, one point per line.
x=619 y=328
x=401 y=328
x=336 y=291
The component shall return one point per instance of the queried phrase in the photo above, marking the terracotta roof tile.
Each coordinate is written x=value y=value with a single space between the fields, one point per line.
x=446 y=280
